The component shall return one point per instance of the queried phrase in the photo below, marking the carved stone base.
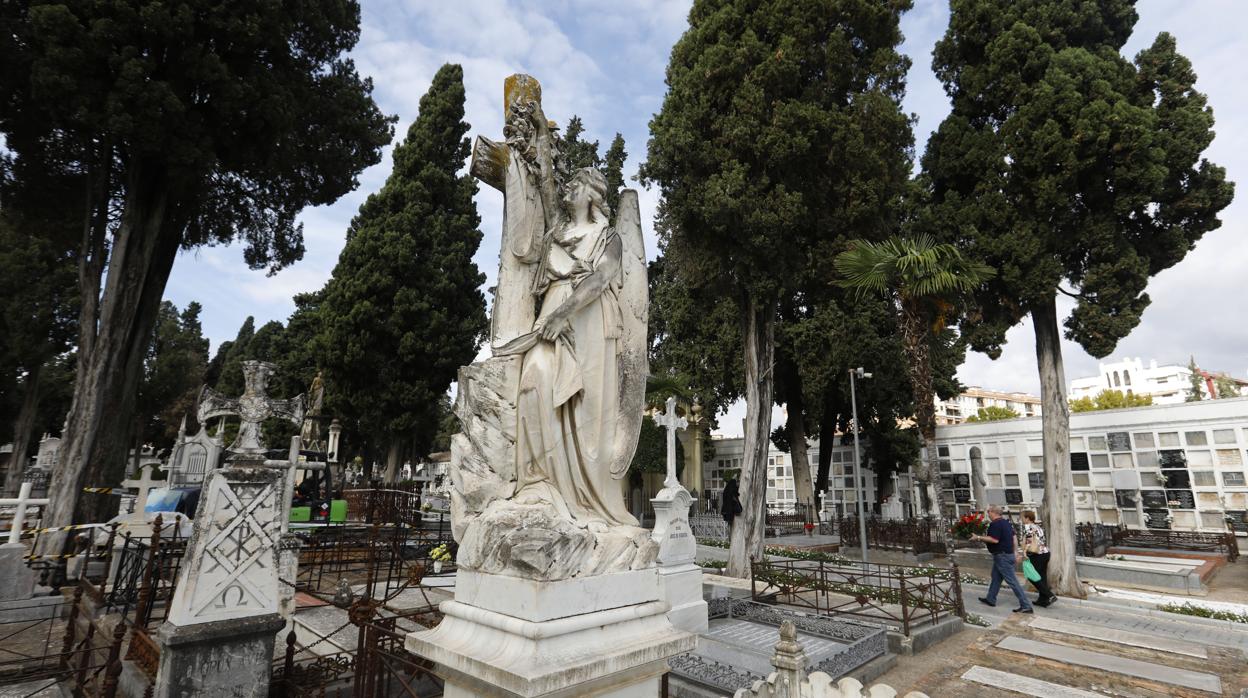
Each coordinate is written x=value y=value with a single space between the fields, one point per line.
x=606 y=635
x=220 y=658
x=533 y=541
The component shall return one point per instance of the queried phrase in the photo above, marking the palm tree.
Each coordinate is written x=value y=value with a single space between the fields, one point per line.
x=925 y=280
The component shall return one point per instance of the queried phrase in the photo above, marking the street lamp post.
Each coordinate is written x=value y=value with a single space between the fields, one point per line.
x=860 y=489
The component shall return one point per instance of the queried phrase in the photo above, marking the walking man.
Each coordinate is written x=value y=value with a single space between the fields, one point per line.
x=1000 y=541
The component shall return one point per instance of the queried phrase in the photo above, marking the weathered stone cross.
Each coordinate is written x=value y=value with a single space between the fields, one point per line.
x=669 y=420
x=144 y=484
x=252 y=409
x=19 y=517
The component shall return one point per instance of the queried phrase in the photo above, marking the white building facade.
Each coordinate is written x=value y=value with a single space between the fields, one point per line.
x=1182 y=466
x=957 y=410
x=1177 y=466
x=841 y=495
x=1168 y=385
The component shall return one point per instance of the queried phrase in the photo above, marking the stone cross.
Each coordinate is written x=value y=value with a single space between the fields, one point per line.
x=669 y=420
x=252 y=408
x=823 y=505
x=19 y=517
x=144 y=484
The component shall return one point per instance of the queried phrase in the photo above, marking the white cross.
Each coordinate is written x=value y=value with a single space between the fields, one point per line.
x=669 y=419
x=19 y=517
x=823 y=505
x=144 y=485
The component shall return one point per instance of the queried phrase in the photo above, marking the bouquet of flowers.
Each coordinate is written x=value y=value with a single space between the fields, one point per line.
x=972 y=524
x=440 y=554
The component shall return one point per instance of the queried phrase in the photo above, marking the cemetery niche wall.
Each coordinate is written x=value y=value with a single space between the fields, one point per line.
x=1168 y=467
x=557 y=589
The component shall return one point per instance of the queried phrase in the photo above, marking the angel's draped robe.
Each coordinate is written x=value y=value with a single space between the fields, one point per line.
x=568 y=404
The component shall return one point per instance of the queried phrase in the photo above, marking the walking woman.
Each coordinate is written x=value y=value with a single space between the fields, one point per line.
x=1038 y=552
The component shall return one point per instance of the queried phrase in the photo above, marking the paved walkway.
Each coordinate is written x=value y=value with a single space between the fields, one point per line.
x=1111 y=615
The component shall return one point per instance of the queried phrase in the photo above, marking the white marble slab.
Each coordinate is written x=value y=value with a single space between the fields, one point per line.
x=1178 y=561
x=1122 y=637
x=1001 y=680
x=1118 y=665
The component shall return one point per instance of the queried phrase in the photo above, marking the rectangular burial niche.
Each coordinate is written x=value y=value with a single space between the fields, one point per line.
x=1079 y=461
x=1119 y=441
x=1157 y=518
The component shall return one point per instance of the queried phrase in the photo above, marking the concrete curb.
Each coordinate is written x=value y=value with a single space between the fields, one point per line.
x=1147 y=609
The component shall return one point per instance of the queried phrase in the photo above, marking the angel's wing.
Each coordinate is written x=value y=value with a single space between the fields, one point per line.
x=631 y=356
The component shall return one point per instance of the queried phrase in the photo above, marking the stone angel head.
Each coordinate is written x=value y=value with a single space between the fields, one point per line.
x=587 y=188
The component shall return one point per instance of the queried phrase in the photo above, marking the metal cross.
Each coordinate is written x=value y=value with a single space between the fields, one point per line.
x=252 y=409
x=669 y=420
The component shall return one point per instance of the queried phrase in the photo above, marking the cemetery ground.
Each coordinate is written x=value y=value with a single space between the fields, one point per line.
x=362 y=586
x=1115 y=643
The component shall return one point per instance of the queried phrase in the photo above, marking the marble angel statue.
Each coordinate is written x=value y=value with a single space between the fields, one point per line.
x=569 y=328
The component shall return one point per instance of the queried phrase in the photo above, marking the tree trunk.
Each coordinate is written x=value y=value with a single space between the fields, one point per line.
x=1059 y=503
x=827 y=436
x=22 y=431
x=915 y=336
x=393 y=456
x=93 y=449
x=747 y=531
x=796 y=429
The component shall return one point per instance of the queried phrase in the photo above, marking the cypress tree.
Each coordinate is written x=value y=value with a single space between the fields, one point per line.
x=403 y=310
x=780 y=132
x=191 y=122
x=1070 y=169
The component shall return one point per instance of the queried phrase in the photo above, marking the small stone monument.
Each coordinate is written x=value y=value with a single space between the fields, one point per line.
x=219 y=635
x=790 y=680
x=17 y=581
x=679 y=575
x=557 y=592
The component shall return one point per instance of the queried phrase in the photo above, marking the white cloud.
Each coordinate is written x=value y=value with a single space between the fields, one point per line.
x=606 y=62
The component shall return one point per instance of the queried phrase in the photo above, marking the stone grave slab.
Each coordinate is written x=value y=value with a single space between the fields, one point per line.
x=1119 y=665
x=324 y=630
x=737 y=648
x=1003 y=680
x=749 y=646
x=1121 y=637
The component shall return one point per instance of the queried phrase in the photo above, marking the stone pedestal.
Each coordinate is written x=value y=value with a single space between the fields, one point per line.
x=17 y=581
x=17 y=588
x=224 y=658
x=223 y=618
x=680 y=578
x=604 y=635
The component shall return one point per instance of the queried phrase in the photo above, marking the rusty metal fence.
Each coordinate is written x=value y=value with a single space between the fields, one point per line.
x=897 y=595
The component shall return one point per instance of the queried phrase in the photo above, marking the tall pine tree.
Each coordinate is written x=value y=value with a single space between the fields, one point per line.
x=403 y=310
x=1070 y=169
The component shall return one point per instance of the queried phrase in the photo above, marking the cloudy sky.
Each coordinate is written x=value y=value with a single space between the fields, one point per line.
x=605 y=59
